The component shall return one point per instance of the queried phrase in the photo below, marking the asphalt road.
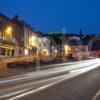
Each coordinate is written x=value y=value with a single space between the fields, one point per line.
x=83 y=87
x=54 y=84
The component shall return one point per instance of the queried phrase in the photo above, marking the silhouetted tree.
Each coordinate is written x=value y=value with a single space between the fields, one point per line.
x=80 y=32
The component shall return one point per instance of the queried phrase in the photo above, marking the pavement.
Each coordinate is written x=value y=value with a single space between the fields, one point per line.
x=18 y=68
x=63 y=82
x=14 y=69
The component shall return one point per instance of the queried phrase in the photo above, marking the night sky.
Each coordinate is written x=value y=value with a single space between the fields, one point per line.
x=56 y=15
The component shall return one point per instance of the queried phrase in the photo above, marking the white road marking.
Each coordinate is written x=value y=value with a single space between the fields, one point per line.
x=15 y=93
x=41 y=88
x=76 y=73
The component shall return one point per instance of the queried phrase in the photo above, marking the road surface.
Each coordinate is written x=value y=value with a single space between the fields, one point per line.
x=83 y=87
x=58 y=83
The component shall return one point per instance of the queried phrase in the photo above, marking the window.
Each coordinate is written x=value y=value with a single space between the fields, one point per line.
x=2 y=51
x=1 y=34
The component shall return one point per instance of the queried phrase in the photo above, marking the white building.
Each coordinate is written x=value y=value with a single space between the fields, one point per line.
x=30 y=39
x=44 y=46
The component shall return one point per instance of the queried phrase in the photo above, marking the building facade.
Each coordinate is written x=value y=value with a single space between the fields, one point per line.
x=69 y=45
x=34 y=43
x=8 y=37
x=44 y=46
x=18 y=38
x=30 y=39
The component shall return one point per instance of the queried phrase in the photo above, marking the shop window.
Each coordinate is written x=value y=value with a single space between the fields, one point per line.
x=2 y=51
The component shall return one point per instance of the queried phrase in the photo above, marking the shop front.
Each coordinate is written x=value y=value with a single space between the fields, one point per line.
x=6 y=50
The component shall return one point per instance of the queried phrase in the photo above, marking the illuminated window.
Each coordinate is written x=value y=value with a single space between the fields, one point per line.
x=1 y=34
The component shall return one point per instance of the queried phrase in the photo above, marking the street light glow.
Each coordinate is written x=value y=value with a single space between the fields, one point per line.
x=9 y=30
x=26 y=51
x=66 y=48
x=55 y=51
x=46 y=52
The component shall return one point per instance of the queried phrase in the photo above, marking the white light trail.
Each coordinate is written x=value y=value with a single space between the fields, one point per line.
x=72 y=73
x=50 y=72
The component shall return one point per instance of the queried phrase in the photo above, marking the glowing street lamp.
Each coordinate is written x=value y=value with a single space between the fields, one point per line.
x=9 y=30
x=66 y=48
x=55 y=51
x=8 y=33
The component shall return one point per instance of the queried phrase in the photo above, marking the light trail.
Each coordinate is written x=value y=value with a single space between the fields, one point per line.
x=72 y=73
x=49 y=72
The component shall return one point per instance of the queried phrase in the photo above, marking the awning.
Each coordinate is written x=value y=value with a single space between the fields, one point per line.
x=7 y=47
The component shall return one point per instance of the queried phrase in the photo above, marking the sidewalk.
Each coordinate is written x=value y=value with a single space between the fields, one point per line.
x=18 y=69
x=22 y=68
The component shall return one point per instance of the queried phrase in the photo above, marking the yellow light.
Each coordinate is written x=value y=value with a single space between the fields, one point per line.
x=69 y=49
x=9 y=30
x=55 y=51
x=66 y=48
x=46 y=52
x=32 y=40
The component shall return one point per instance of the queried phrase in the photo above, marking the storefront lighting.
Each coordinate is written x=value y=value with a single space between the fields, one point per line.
x=32 y=40
x=55 y=51
x=26 y=52
x=66 y=48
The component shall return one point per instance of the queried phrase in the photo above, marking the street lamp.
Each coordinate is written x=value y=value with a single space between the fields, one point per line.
x=9 y=30
x=66 y=48
x=8 y=35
